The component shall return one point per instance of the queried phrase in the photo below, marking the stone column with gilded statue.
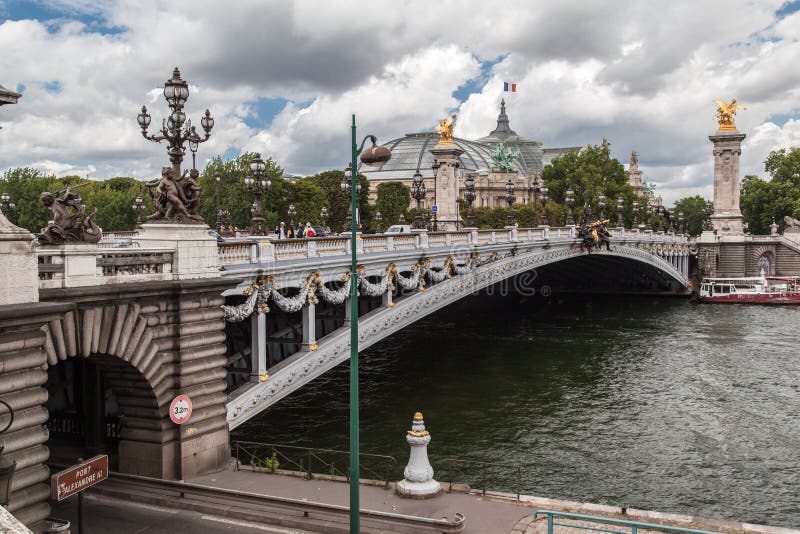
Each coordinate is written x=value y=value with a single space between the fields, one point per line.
x=727 y=216
x=446 y=174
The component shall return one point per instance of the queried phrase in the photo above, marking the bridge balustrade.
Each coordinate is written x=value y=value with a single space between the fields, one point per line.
x=89 y=266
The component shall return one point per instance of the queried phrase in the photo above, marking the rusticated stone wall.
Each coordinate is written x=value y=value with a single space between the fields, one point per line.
x=152 y=341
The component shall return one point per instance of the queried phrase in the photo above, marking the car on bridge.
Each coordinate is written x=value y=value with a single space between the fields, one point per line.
x=398 y=229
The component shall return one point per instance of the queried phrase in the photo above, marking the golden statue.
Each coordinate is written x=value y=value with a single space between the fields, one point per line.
x=725 y=113
x=445 y=130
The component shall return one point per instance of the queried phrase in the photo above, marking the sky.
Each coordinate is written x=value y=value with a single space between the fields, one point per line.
x=283 y=77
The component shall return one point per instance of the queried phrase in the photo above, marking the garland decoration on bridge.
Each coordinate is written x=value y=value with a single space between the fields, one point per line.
x=265 y=289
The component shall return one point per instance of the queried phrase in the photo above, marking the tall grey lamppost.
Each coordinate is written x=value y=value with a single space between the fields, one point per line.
x=620 y=209
x=5 y=203
x=346 y=185
x=510 y=198
x=138 y=208
x=418 y=191
x=218 y=222
x=257 y=186
x=177 y=129
x=681 y=223
x=323 y=214
x=544 y=198
x=469 y=196
x=292 y=213
x=569 y=198
x=378 y=221
x=601 y=203
x=635 y=214
x=374 y=155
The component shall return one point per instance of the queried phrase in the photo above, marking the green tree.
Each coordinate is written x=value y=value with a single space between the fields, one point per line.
x=393 y=200
x=233 y=194
x=695 y=211
x=24 y=186
x=589 y=173
x=308 y=199
x=763 y=201
x=337 y=202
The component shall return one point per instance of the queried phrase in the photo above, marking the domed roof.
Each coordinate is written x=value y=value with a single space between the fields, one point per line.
x=413 y=152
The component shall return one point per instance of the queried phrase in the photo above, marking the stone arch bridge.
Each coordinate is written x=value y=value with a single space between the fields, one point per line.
x=95 y=341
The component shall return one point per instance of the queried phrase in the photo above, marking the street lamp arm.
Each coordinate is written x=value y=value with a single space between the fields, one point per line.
x=364 y=142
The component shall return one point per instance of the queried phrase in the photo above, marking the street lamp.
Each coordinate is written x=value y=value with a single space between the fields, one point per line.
x=257 y=186
x=620 y=208
x=378 y=221
x=177 y=129
x=401 y=219
x=544 y=198
x=218 y=223
x=323 y=214
x=292 y=213
x=5 y=203
x=681 y=225
x=602 y=205
x=469 y=196
x=510 y=198
x=7 y=467
x=138 y=208
x=374 y=155
x=570 y=200
x=418 y=191
x=635 y=214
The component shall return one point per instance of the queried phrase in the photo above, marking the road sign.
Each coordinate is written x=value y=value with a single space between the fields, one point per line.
x=78 y=477
x=180 y=409
x=434 y=208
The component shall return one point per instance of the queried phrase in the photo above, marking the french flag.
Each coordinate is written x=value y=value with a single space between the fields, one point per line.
x=509 y=87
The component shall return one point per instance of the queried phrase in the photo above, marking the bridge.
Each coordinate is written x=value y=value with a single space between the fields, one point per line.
x=95 y=341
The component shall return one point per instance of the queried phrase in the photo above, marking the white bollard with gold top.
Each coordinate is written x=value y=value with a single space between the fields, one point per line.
x=418 y=481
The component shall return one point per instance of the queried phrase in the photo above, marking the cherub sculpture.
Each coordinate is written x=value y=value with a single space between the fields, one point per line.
x=69 y=224
x=174 y=200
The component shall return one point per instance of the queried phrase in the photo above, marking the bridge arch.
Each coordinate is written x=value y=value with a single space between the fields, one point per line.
x=333 y=349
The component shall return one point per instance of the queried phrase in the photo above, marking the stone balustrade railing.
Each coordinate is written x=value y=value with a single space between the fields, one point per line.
x=89 y=265
x=269 y=251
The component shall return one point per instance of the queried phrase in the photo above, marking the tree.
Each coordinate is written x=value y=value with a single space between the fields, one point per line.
x=589 y=172
x=695 y=211
x=233 y=194
x=763 y=202
x=337 y=202
x=393 y=200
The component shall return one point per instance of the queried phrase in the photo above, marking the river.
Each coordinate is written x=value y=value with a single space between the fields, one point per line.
x=650 y=403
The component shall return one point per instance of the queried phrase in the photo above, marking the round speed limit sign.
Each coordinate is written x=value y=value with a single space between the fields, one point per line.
x=180 y=409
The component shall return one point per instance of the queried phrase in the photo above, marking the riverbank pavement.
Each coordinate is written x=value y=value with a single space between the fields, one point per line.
x=495 y=513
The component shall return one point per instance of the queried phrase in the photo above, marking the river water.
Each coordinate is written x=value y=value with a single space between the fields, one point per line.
x=651 y=403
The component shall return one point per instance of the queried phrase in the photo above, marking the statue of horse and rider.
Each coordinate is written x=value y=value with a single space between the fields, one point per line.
x=594 y=233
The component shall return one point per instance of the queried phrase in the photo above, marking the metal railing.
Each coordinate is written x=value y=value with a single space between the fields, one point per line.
x=590 y=522
x=269 y=457
x=482 y=474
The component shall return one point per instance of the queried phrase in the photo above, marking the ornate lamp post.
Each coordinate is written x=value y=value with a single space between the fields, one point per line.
x=323 y=214
x=138 y=208
x=544 y=198
x=257 y=186
x=378 y=221
x=510 y=198
x=620 y=208
x=401 y=219
x=601 y=203
x=346 y=187
x=218 y=223
x=660 y=213
x=7 y=467
x=177 y=129
x=570 y=200
x=635 y=214
x=469 y=196
x=374 y=155
x=5 y=203
x=418 y=191
x=291 y=212
x=681 y=223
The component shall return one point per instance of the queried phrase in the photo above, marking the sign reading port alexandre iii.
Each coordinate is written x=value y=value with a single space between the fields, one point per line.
x=78 y=477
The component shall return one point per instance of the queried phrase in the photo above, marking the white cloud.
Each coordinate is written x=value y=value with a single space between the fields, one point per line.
x=642 y=76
